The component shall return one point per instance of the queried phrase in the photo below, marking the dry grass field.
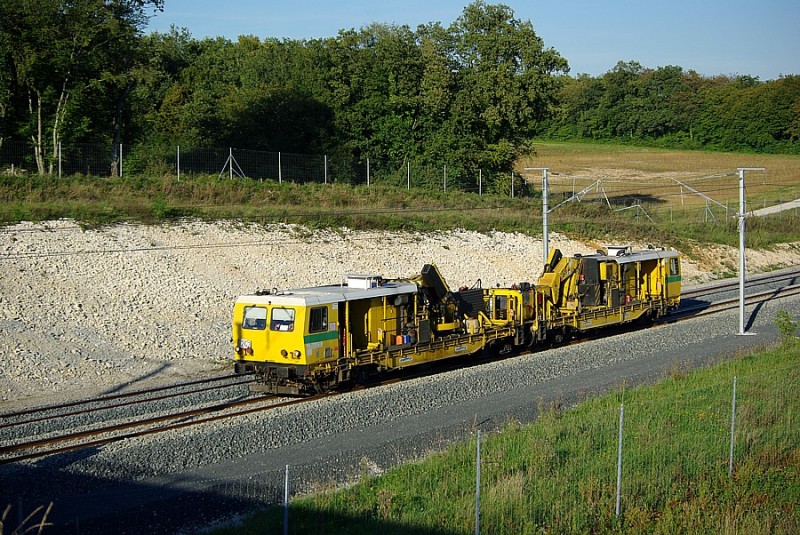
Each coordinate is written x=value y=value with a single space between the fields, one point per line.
x=662 y=181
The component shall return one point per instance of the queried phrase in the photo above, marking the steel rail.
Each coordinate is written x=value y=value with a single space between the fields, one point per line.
x=731 y=284
x=90 y=410
x=71 y=437
x=110 y=397
x=728 y=304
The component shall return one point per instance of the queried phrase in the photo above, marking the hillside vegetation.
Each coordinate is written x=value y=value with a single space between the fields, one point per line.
x=439 y=94
x=642 y=195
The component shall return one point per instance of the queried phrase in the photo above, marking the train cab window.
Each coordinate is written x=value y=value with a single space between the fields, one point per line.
x=319 y=320
x=673 y=266
x=282 y=319
x=255 y=318
x=500 y=307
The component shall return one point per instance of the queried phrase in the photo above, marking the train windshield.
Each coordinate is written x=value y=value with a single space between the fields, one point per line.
x=255 y=318
x=282 y=319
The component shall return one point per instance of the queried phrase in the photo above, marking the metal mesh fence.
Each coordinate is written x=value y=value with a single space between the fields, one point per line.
x=674 y=458
x=17 y=157
x=711 y=200
x=561 y=475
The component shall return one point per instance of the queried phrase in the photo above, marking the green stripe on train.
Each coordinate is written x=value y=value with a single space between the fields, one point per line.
x=320 y=337
x=674 y=278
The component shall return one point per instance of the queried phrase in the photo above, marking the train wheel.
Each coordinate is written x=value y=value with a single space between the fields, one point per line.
x=558 y=338
x=648 y=318
x=487 y=351
x=363 y=374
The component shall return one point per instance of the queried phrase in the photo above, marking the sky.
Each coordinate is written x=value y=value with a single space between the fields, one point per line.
x=734 y=37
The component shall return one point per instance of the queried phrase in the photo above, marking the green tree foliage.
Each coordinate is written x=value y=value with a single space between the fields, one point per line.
x=748 y=115
x=503 y=84
x=6 y=81
x=159 y=93
x=470 y=95
x=673 y=107
x=64 y=56
x=467 y=96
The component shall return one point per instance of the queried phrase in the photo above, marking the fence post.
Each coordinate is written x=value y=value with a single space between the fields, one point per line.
x=619 y=457
x=178 y=162
x=367 y=173
x=408 y=174
x=733 y=426
x=445 y=178
x=478 y=486
x=286 y=502
x=512 y=184
x=280 y=173
x=325 y=162
x=120 y=160
x=480 y=182
x=59 y=159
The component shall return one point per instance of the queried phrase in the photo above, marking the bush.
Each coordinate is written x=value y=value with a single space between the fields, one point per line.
x=787 y=327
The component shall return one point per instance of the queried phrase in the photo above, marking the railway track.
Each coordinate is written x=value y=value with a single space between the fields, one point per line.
x=692 y=311
x=790 y=276
x=55 y=423
x=110 y=401
x=98 y=435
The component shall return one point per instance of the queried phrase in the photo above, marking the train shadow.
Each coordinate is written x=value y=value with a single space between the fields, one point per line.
x=689 y=307
x=305 y=520
x=83 y=504
x=122 y=386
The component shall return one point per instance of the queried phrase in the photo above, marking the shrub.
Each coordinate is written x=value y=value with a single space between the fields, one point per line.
x=787 y=327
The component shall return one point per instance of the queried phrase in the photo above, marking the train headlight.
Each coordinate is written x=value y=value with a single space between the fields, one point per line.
x=284 y=353
x=244 y=346
x=296 y=353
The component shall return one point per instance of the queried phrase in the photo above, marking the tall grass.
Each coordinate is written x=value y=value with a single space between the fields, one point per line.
x=559 y=474
x=646 y=203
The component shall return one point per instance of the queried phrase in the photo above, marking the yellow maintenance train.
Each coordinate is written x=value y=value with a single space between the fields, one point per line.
x=308 y=340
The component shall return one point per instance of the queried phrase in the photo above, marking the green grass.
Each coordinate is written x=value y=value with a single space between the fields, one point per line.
x=668 y=217
x=559 y=474
x=96 y=201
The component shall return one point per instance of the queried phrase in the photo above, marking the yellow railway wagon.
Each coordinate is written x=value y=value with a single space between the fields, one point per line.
x=621 y=285
x=297 y=338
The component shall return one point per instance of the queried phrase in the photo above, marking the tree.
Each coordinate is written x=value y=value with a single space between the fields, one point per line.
x=5 y=83
x=506 y=84
x=62 y=48
x=155 y=101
